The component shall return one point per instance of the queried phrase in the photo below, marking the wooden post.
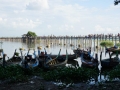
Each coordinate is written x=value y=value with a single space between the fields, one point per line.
x=100 y=56
x=110 y=56
x=100 y=64
x=115 y=39
x=109 y=37
x=119 y=38
x=4 y=62
x=94 y=42
x=85 y=41
x=96 y=56
x=105 y=37
x=97 y=43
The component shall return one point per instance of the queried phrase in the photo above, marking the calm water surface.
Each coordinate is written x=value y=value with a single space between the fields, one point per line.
x=10 y=46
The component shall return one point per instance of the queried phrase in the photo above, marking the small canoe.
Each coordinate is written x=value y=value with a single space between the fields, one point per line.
x=53 y=63
x=111 y=49
x=90 y=63
x=110 y=62
x=71 y=57
x=26 y=64
x=29 y=62
x=78 y=51
x=15 y=58
x=1 y=54
x=1 y=57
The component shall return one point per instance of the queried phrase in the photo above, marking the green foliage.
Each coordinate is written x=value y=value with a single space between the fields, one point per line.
x=67 y=75
x=106 y=43
x=14 y=73
x=115 y=73
x=33 y=34
x=70 y=75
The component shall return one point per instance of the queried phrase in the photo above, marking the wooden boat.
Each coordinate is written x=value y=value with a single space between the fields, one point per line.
x=112 y=49
x=71 y=57
x=73 y=63
x=90 y=63
x=32 y=63
x=14 y=58
x=43 y=55
x=8 y=61
x=110 y=62
x=79 y=51
x=1 y=54
x=55 y=62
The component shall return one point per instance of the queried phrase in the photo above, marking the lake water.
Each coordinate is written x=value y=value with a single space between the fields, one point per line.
x=10 y=46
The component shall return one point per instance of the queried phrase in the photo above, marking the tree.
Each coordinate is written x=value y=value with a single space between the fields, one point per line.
x=31 y=34
x=116 y=2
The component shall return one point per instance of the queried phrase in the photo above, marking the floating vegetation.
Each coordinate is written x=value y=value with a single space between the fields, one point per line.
x=106 y=43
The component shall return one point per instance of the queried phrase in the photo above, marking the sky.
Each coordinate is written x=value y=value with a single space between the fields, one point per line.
x=58 y=17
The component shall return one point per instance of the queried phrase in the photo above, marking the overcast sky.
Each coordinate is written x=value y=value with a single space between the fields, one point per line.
x=59 y=17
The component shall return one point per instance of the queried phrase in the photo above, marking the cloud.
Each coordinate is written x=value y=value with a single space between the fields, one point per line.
x=98 y=28
x=59 y=16
x=38 y=5
x=109 y=30
x=25 y=23
x=19 y=23
x=71 y=13
x=49 y=26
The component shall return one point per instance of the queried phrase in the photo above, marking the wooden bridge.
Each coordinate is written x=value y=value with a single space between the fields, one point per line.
x=75 y=41
x=99 y=37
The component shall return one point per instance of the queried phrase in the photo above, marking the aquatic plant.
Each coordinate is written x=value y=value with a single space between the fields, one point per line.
x=106 y=43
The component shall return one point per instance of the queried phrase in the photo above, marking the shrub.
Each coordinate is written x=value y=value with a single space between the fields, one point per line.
x=106 y=43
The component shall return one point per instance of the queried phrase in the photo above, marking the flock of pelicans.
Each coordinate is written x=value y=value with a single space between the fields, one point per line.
x=48 y=61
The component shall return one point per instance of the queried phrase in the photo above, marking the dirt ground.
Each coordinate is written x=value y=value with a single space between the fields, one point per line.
x=37 y=83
